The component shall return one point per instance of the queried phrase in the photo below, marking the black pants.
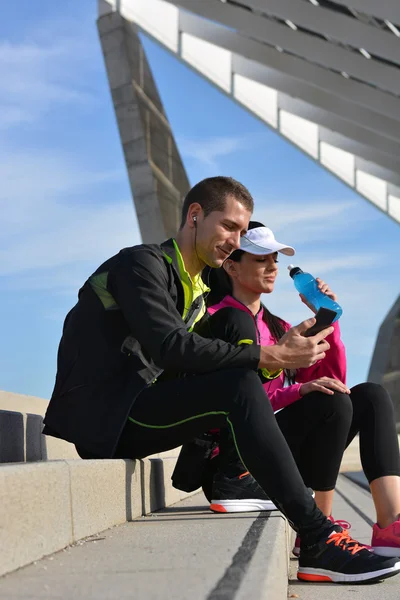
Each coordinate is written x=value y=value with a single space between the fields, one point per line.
x=172 y=412
x=319 y=427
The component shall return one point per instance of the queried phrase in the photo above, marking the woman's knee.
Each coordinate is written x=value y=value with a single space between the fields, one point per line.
x=336 y=404
x=372 y=394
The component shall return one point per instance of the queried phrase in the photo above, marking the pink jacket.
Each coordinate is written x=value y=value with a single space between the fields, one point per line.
x=333 y=365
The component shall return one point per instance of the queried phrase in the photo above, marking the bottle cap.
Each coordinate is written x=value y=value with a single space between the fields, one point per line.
x=294 y=270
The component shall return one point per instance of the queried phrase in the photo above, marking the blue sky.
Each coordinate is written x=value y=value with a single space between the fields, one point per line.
x=65 y=202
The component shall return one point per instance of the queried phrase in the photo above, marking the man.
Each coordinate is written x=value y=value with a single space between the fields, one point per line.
x=117 y=393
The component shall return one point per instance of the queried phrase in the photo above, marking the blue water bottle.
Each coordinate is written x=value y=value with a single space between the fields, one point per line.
x=307 y=285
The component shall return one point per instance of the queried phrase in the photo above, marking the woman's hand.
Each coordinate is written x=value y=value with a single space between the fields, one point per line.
x=326 y=385
x=325 y=289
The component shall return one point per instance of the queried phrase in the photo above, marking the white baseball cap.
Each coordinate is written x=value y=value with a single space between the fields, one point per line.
x=261 y=240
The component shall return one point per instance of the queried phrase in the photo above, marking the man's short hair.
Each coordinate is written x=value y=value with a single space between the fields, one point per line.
x=211 y=194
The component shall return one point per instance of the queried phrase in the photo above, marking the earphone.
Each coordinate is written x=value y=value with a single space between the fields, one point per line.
x=195 y=221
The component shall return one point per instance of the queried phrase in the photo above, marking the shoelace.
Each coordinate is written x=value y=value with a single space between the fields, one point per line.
x=343 y=539
x=343 y=524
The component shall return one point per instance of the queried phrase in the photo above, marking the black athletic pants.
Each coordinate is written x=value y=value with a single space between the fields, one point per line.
x=319 y=427
x=169 y=413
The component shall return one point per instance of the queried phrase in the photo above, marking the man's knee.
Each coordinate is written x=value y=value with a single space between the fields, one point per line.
x=244 y=387
x=243 y=380
x=233 y=325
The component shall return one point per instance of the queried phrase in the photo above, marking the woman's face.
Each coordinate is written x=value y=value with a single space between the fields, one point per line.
x=254 y=273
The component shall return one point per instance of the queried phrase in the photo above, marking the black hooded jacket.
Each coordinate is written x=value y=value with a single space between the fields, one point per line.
x=124 y=331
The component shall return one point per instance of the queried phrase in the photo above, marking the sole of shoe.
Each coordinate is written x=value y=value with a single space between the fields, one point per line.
x=235 y=506
x=389 y=551
x=315 y=575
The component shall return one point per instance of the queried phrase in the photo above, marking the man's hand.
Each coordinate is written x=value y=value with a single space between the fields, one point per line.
x=294 y=351
x=327 y=385
x=325 y=289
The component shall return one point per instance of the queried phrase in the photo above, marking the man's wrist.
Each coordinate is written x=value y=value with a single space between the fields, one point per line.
x=271 y=358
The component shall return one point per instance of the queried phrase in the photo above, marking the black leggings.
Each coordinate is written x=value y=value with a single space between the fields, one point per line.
x=319 y=427
x=170 y=413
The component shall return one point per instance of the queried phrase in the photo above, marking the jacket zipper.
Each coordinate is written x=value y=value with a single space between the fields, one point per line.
x=258 y=331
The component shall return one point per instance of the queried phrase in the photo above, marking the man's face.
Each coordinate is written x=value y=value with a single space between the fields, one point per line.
x=219 y=233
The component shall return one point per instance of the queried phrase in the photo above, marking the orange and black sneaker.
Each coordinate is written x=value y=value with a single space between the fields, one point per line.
x=238 y=494
x=340 y=559
x=343 y=524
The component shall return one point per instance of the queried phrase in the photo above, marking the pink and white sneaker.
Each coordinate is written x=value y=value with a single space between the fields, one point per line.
x=343 y=524
x=386 y=542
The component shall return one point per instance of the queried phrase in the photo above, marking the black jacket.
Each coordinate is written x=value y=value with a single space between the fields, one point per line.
x=124 y=331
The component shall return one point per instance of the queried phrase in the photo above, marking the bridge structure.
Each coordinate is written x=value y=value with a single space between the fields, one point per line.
x=323 y=74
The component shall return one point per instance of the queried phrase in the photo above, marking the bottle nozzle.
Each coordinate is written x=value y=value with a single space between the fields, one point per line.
x=294 y=270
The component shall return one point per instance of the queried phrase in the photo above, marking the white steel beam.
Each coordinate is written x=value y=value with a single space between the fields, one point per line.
x=319 y=77
x=383 y=9
x=313 y=49
x=368 y=144
x=384 y=163
x=363 y=155
x=338 y=107
x=333 y=24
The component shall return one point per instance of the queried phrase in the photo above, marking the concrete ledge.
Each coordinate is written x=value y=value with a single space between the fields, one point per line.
x=181 y=552
x=104 y=493
x=21 y=439
x=22 y=403
x=157 y=490
x=48 y=504
x=45 y=506
x=268 y=574
x=35 y=516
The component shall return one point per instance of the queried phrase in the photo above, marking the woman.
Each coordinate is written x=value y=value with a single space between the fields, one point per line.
x=320 y=415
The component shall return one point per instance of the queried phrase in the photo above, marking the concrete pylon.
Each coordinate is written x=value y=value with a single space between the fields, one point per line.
x=157 y=176
x=385 y=364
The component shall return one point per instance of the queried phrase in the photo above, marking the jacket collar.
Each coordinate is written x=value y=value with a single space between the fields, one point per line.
x=231 y=302
x=169 y=252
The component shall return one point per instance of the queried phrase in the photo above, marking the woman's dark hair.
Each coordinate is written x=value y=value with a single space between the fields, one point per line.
x=221 y=285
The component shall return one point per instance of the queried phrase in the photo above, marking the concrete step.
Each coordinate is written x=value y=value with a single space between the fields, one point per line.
x=55 y=498
x=45 y=506
x=21 y=438
x=180 y=552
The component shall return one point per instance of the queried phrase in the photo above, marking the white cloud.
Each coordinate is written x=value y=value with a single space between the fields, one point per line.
x=281 y=216
x=72 y=234
x=35 y=77
x=53 y=229
x=56 y=221
x=343 y=263
x=208 y=151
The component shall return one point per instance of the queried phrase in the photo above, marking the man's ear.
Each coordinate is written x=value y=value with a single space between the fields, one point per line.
x=195 y=213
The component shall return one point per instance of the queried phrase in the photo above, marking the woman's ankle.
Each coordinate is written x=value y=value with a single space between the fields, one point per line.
x=386 y=521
